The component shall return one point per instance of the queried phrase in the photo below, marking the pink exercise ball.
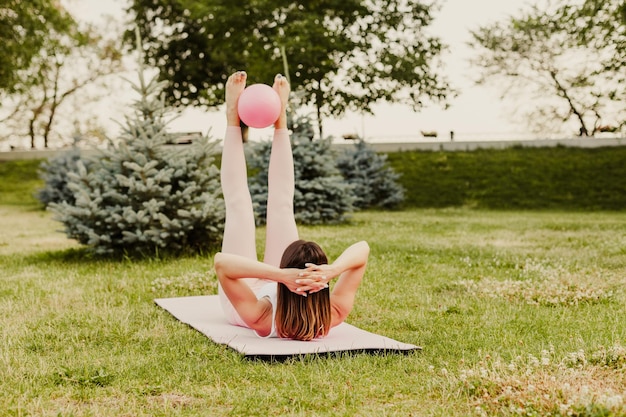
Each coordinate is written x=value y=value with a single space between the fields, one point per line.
x=259 y=106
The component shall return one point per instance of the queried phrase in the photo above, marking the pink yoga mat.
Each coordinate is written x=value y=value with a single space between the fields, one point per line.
x=204 y=314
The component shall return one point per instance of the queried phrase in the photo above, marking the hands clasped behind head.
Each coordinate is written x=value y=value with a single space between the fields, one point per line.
x=311 y=279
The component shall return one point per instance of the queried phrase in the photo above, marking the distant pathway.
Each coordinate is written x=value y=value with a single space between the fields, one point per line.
x=421 y=145
x=417 y=145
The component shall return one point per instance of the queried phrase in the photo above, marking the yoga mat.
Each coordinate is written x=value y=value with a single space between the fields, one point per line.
x=204 y=314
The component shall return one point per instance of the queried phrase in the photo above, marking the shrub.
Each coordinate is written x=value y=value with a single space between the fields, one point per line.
x=373 y=180
x=321 y=196
x=54 y=173
x=141 y=196
x=555 y=178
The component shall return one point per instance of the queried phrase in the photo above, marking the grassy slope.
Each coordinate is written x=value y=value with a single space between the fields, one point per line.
x=516 y=178
x=18 y=182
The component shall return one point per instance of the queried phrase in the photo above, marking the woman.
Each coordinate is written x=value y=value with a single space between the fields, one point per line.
x=287 y=295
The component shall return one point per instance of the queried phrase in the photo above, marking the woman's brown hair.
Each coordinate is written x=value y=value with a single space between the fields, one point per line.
x=298 y=317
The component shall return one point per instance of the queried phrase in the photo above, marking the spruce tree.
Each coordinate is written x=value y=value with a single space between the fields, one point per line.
x=321 y=196
x=54 y=172
x=374 y=182
x=142 y=196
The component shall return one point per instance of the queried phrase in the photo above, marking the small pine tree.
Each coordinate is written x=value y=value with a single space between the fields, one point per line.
x=374 y=182
x=321 y=195
x=141 y=196
x=54 y=173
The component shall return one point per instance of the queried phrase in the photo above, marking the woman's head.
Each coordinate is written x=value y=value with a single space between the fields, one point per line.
x=298 y=317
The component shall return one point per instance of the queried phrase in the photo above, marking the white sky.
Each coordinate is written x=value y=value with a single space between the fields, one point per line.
x=477 y=112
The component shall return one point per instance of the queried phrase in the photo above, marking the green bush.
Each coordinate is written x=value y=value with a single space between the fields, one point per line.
x=54 y=172
x=375 y=183
x=515 y=178
x=140 y=196
x=321 y=195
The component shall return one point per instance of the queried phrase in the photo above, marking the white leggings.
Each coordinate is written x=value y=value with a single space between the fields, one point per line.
x=239 y=229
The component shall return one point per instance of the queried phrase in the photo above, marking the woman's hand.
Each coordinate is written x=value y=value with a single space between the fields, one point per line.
x=305 y=281
x=316 y=277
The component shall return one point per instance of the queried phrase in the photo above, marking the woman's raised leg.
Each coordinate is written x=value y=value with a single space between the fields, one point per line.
x=281 y=227
x=239 y=228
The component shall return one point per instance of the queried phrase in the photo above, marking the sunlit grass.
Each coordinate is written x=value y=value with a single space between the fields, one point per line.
x=518 y=313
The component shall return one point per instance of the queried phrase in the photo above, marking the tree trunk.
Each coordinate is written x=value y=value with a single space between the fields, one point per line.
x=31 y=124
x=53 y=106
x=31 y=132
x=319 y=122
x=244 y=131
x=318 y=108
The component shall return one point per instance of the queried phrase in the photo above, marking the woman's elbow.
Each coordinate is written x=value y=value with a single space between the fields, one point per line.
x=339 y=314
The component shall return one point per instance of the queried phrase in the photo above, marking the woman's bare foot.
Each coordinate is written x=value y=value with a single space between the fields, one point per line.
x=234 y=87
x=281 y=86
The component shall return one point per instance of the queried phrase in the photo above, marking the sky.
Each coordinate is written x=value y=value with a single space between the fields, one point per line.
x=476 y=112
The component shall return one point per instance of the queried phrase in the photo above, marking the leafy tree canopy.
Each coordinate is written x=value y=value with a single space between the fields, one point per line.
x=567 y=57
x=601 y=24
x=68 y=69
x=342 y=54
x=25 y=26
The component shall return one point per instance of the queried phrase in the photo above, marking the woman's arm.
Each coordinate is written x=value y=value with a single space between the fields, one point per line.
x=230 y=269
x=350 y=268
x=352 y=262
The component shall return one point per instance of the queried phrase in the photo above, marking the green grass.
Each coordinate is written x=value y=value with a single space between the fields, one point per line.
x=81 y=336
x=519 y=313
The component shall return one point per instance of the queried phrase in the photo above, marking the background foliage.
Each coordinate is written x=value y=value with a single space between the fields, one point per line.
x=54 y=172
x=515 y=178
x=562 y=61
x=141 y=197
x=330 y=184
x=529 y=178
x=55 y=68
x=342 y=54
x=322 y=196
x=25 y=28
x=374 y=181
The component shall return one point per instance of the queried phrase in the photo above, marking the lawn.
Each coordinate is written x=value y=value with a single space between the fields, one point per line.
x=518 y=313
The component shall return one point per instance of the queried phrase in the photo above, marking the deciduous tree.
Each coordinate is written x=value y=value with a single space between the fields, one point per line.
x=25 y=26
x=341 y=54
x=66 y=63
x=562 y=58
